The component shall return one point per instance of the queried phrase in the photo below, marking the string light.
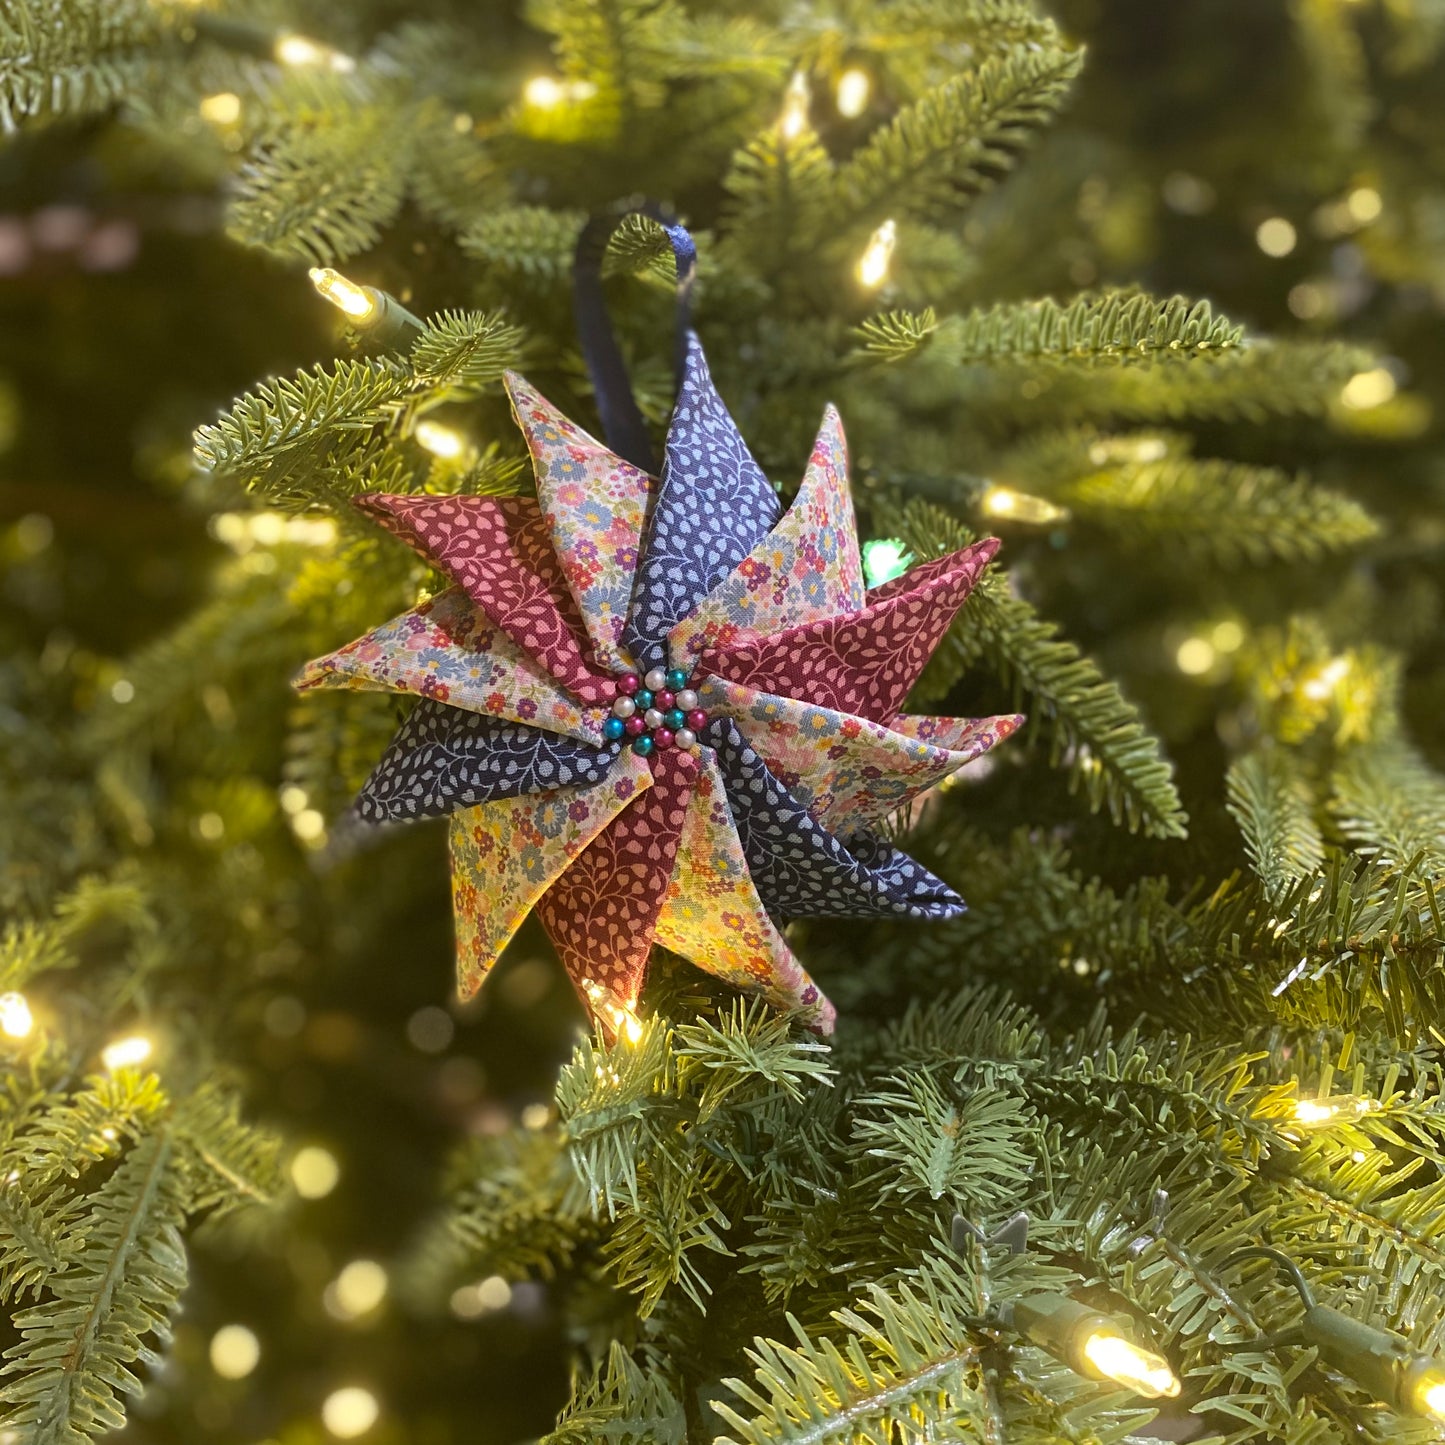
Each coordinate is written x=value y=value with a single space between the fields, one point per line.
x=1276 y=237
x=356 y=1291
x=545 y=91
x=223 y=108
x=1364 y=205
x=620 y=1016
x=16 y=1020
x=873 y=264
x=301 y=52
x=349 y=1412
x=1019 y=506
x=1091 y=1344
x=855 y=86
x=235 y=1352
x=884 y=558
x=381 y=316
x=314 y=1172
x=794 y=119
x=1344 y=1109
x=358 y=302
x=126 y=1053
x=1366 y=390
x=441 y=441
x=1195 y=656
x=1318 y=685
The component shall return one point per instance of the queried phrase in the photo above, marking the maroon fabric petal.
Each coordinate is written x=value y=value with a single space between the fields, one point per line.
x=500 y=550
x=602 y=913
x=863 y=663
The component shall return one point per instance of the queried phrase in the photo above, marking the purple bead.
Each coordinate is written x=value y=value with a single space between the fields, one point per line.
x=663 y=700
x=663 y=737
x=629 y=683
x=697 y=719
x=636 y=725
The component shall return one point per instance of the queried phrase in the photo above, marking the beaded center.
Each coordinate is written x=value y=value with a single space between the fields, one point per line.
x=657 y=712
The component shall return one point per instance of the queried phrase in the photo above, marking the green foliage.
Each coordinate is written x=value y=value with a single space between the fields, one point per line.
x=1272 y=805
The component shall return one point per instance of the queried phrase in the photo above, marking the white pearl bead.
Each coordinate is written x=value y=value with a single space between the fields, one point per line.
x=686 y=699
x=655 y=680
x=685 y=738
x=623 y=707
x=653 y=718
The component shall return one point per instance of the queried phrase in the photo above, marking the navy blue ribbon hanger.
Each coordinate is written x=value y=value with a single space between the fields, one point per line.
x=623 y=427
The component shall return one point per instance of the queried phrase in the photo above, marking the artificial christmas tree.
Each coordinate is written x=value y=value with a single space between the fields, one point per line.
x=1188 y=1027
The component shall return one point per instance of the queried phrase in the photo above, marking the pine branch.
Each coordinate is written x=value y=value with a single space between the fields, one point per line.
x=76 y=1349
x=73 y=58
x=955 y=141
x=1391 y=805
x=1089 y=723
x=1114 y=327
x=234 y=1165
x=897 y=335
x=462 y=352
x=324 y=182
x=1271 y=802
x=1223 y=510
x=780 y=191
x=533 y=241
x=621 y=1403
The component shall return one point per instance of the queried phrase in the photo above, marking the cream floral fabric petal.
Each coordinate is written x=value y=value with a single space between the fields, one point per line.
x=506 y=854
x=595 y=505
x=848 y=771
x=713 y=912
x=449 y=650
x=806 y=569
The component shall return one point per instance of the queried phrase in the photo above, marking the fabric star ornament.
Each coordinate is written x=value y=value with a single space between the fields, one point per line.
x=663 y=710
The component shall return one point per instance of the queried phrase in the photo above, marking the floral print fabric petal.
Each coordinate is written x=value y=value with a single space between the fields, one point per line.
x=713 y=911
x=807 y=568
x=849 y=771
x=450 y=650
x=595 y=505
x=506 y=854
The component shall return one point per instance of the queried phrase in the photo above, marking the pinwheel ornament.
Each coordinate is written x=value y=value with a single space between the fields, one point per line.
x=662 y=710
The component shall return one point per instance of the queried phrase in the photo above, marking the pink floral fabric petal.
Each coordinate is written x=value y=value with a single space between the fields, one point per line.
x=507 y=853
x=848 y=772
x=450 y=650
x=712 y=911
x=807 y=568
x=864 y=663
x=499 y=549
x=602 y=913
x=595 y=505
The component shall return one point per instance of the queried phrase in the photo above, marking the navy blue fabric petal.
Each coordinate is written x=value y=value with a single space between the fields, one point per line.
x=799 y=868
x=444 y=758
x=713 y=504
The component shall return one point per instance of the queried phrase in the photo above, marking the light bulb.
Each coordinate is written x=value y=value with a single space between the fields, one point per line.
x=235 y=1352
x=1130 y=1365
x=884 y=558
x=126 y=1053
x=314 y=1172
x=356 y=301
x=357 y=1290
x=873 y=264
x=855 y=85
x=1343 y=1109
x=1430 y=1394
x=1019 y=506
x=1323 y=681
x=1368 y=389
x=349 y=1412
x=301 y=52
x=620 y=1016
x=16 y=1020
x=441 y=441
x=1195 y=656
x=223 y=108
x=794 y=119
x=544 y=91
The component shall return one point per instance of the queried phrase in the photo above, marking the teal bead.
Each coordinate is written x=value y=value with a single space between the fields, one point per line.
x=676 y=680
x=676 y=719
x=613 y=729
x=643 y=699
x=643 y=746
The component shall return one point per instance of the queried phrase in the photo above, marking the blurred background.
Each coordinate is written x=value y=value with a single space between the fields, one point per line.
x=1283 y=158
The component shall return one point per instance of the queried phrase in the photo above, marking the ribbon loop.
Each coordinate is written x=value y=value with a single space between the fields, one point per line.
x=622 y=424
